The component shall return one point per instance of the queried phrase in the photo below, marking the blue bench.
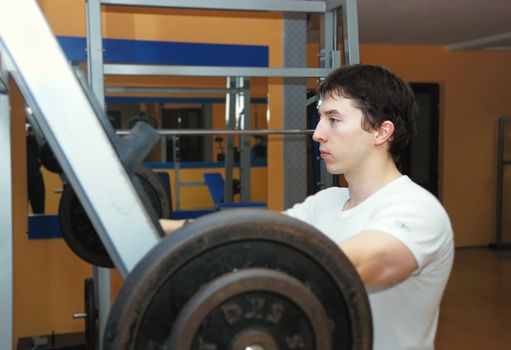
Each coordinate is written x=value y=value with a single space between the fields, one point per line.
x=215 y=183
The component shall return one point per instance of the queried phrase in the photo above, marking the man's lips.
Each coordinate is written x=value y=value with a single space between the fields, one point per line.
x=323 y=154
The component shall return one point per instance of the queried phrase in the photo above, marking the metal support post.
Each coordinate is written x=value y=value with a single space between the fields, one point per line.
x=294 y=111
x=96 y=82
x=350 y=24
x=243 y=122
x=177 y=178
x=328 y=32
x=163 y=148
x=230 y=123
x=6 y=225
x=95 y=49
x=73 y=129
x=207 y=110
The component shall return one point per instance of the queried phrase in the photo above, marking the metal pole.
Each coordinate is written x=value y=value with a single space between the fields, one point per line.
x=177 y=178
x=95 y=75
x=230 y=123
x=259 y=5
x=351 y=43
x=168 y=90
x=185 y=132
x=163 y=148
x=6 y=224
x=243 y=113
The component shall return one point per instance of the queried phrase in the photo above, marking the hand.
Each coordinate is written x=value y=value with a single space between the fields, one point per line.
x=170 y=226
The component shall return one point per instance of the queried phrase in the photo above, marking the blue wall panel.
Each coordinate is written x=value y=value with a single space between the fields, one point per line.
x=169 y=53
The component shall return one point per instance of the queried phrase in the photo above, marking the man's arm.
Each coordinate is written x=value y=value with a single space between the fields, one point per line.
x=379 y=258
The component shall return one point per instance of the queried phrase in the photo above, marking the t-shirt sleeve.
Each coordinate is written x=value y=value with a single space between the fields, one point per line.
x=419 y=222
x=303 y=211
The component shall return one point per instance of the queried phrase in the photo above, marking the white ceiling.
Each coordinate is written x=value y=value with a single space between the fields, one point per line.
x=436 y=22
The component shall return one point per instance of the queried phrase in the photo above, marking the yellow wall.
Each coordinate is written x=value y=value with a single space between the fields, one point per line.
x=474 y=93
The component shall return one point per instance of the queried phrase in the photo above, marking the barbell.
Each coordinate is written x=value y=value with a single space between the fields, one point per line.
x=237 y=280
x=242 y=279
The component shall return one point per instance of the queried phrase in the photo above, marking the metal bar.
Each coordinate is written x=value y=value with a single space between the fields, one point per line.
x=246 y=5
x=210 y=71
x=243 y=107
x=333 y=4
x=96 y=81
x=191 y=132
x=95 y=50
x=6 y=212
x=177 y=176
x=481 y=43
x=63 y=112
x=230 y=123
x=163 y=148
x=207 y=148
x=329 y=44
x=3 y=83
x=192 y=183
x=312 y=99
x=351 y=44
x=167 y=90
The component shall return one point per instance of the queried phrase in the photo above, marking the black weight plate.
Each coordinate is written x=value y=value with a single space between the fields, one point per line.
x=48 y=159
x=153 y=192
x=168 y=277
x=91 y=328
x=78 y=231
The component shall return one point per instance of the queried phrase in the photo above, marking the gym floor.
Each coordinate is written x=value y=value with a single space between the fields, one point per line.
x=476 y=312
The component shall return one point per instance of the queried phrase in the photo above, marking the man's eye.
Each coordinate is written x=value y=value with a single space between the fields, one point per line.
x=334 y=120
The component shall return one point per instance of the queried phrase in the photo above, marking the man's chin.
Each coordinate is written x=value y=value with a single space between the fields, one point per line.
x=334 y=171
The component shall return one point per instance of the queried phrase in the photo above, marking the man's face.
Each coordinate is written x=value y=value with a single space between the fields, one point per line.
x=344 y=145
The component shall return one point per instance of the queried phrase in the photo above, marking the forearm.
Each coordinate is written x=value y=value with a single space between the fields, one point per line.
x=379 y=259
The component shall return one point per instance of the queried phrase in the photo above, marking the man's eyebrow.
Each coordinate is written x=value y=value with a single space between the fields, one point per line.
x=330 y=112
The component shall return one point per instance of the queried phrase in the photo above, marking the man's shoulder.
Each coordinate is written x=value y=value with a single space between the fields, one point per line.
x=410 y=194
x=331 y=196
x=332 y=192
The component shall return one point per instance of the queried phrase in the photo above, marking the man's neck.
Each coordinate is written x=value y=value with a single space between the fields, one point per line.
x=365 y=182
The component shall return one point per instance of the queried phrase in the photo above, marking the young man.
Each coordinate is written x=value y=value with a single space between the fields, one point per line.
x=396 y=234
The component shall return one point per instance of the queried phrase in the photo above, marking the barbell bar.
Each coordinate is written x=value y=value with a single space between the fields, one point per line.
x=196 y=132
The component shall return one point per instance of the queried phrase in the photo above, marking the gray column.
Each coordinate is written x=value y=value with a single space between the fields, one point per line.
x=294 y=110
x=6 y=231
x=96 y=81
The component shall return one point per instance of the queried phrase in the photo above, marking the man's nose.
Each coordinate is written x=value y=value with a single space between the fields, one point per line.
x=318 y=134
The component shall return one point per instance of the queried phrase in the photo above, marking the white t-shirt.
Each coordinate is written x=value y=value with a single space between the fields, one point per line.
x=405 y=315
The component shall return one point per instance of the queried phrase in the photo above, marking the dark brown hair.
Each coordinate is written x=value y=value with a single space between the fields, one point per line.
x=380 y=95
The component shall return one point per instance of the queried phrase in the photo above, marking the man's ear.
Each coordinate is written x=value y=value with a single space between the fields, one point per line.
x=384 y=133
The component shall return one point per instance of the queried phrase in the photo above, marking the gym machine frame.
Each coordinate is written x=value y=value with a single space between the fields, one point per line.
x=36 y=62
x=6 y=213
x=236 y=76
